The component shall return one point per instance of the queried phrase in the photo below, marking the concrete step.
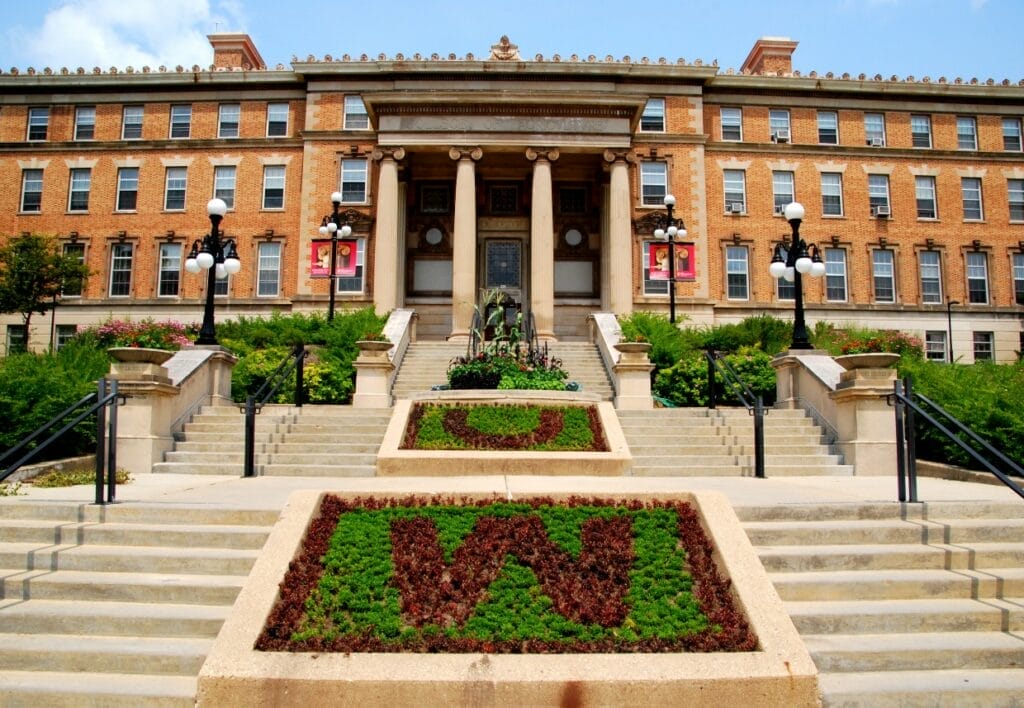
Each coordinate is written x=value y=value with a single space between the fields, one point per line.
x=898 y=689
x=899 y=584
x=692 y=447
x=111 y=618
x=938 y=512
x=640 y=468
x=916 y=615
x=324 y=445
x=110 y=690
x=925 y=651
x=128 y=559
x=181 y=656
x=777 y=533
x=174 y=588
x=146 y=513
x=195 y=535
x=891 y=556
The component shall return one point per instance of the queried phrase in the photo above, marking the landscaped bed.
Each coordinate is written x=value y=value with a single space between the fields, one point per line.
x=531 y=576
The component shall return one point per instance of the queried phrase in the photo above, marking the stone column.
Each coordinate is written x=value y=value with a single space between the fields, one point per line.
x=386 y=243
x=464 y=242
x=620 y=243
x=542 y=243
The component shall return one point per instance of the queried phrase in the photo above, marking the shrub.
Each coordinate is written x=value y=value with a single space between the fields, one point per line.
x=685 y=383
x=146 y=333
x=860 y=340
x=668 y=342
x=327 y=378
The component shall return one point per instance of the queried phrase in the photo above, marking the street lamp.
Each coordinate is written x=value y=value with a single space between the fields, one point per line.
x=801 y=259
x=668 y=228
x=949 y=326
x=218 y=258
x=334 y=225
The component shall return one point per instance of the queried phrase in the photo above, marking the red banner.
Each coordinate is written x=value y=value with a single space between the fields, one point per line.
x=658 y=265
x=320 y=259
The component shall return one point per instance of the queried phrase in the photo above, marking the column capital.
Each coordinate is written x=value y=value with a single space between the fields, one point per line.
x=465 y=153
x=543 y=153
x=614 y=156
x=385 y=152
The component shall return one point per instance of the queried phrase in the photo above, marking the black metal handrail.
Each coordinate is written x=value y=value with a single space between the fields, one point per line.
x=906 y=405
x=753 y=403
x=106 y=396
x=255 y=402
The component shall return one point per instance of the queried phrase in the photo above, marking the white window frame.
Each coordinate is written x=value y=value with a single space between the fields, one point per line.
x=356 y=117
x=17 y=338
x=652 y=286
x=735 y=178
x=181 y=121
x=785 y=291
x=31 y=177
x=169 y=270
x=225 y=180
x=273 y=179
x=878 y=191
x=1015 y=199
x=831 y=186
x=125 y=183
x=85 y=122
x=778 y=119
x=137 y=114
x=1017 y=265
x=77 y=250
x=970 y=192
x=836 y=274
x=924 y=192
x=929 y=268
x=79 y=181
x=652 y=120
x=1011 y=135
x=966 y=133
x=734 y=123
x=783 y=180
x=229 y=120
x=924 y=125
x=935 y=345
x=122 y=256
x=268 y=269
x=824 y=129
x=983 y=346
x=653 y=183
x=172 y=177
x=883 y=274
x=977 y=273
x=737 y=272
x=354 y=171
x=274 y=111
x=39 y=123
x=874 y=131
x=344 y=285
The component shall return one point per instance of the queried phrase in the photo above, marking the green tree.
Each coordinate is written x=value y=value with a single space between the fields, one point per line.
x=32 y=272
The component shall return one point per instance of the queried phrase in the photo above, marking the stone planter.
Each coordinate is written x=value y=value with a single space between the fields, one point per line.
x=869 y=360
x=139 y=364
x=633 y=351
x=373 y=371
x=373 y=347
x=140 y=354
x=633 y=376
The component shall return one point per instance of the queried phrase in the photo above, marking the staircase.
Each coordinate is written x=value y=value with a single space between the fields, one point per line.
x=116 y=605
x=902 y=605
x=425 y=365
x=311 y=441
x=700 y=442
x=584 y=365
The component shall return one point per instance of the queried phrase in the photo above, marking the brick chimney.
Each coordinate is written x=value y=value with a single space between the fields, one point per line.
x=770 y=56
x=234 y=50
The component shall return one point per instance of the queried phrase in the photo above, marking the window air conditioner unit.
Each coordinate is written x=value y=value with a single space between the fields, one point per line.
x=734 y=207
x=881 y=211
x=780 y=135
x=876 y=142
x=779 y=209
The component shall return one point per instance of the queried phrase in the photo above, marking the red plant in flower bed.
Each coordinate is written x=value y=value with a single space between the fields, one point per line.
x=592 y=590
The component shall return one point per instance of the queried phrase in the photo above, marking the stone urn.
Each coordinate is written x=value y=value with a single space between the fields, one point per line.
x=633 y=352
x=373 y=348
x=139 y=364
x=868 y=360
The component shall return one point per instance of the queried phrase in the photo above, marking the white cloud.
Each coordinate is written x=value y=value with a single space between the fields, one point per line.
x=137 y=33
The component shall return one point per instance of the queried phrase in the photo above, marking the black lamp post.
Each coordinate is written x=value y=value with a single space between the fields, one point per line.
x=949 y=325
x=218 y=258
x=801 y=258
x=334 y=225
x=668 y=228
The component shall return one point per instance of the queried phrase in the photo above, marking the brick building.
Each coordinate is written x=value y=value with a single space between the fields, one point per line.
x=544 y=177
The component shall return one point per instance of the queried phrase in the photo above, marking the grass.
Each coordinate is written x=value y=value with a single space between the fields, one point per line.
x=71 y=476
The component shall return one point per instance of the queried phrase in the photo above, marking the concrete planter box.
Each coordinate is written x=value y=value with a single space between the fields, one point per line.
x=780 y=673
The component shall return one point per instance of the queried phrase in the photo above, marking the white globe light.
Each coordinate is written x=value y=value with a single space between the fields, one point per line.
x=672 y=231
x=332 y=227
x=323 y=230
x=205 y=260
x=659 y=233
x=192 y=266
x=346 y=231
x=817 y=269
x=221 y=271
x=803 y=264
x=777 y=269
x=789 y=275
x=681 y=233
x=670 y=200
x=216 y=207
x=793 y=210
x=336 y=197
x=232 y=265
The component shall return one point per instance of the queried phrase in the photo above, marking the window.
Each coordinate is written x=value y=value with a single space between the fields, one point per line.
x=1015 y=195
x=935 y=345
x=831 y=194
x=571 y=200
x=921 y=131
x=78 y=191
x=181 y=121
x=273 y=187
x=353 y=181
x=983 y=348
x=85 y=122
x=930 y=268
x=277 y=120
x=355 y=114
x=1011 y=134
x=354 y=283
x=835 y=274
x=784 y=289
x=970 y=189
x=120 y=270
x=653 y=286
x=1018 y=278
x=268 y=269
x=778 y=125
x=736 y=272
x=32 y=190
x=38 y=123
x=878 y=193
x=782 y=189
x=227 y=120
x=131 y=123
x=222 y=286
x=17 y=338
x=874 y=129
x=174 y=188
x=884 y=275
x=170 y=270
x=653 y=118
x=977 y=278
x=924 y=190
x=828 y=127
x=732 y=124
x=127 y=188
x=735 y=191
x=653 y=183
x=966 y=133
x=65 y=333
x=224 y=184
x=73 y=288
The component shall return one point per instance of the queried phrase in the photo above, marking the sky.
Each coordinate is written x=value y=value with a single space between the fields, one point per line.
x=951 y=38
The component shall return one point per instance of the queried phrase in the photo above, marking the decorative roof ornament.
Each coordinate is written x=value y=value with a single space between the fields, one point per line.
x=504 y=50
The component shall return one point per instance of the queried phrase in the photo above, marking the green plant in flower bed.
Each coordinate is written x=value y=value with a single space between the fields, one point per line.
x=535 y=576
x=504 y=427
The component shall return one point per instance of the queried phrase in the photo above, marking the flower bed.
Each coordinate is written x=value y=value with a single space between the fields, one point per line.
x=534 y=576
